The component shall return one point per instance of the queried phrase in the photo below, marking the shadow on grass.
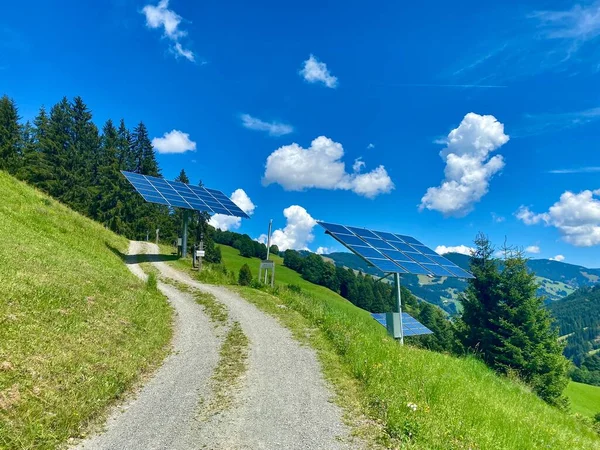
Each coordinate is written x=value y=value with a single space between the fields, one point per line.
x=134 y=259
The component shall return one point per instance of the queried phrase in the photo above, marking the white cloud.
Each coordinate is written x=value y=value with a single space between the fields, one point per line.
x=323 y=251
x=576 y=216
x=533 y=249
x=273 y=128
x=297 y=233
x=358 y=165
x=462 y=249
x=579 y=24
x=370 y=146
x=174 y=142
x=225 y=222
x=320 y=166
x=468 y=166
x=160 y=16
x=558 y=258
x=315 y=71
x=589 y=169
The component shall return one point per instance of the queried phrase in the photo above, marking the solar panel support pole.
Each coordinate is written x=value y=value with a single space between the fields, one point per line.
x=185 y=234
x=399 y=301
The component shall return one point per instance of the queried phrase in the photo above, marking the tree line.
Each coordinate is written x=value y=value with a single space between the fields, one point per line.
x=63 y=153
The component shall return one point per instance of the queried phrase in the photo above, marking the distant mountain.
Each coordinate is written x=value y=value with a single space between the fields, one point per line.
x=557 y=279
x=578 y=317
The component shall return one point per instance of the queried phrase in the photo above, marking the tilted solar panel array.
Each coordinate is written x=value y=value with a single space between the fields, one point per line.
x=394 y=253
x=181 y=195
x=410 y=325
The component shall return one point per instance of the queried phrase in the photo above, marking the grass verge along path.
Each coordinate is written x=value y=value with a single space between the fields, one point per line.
x=77 y=329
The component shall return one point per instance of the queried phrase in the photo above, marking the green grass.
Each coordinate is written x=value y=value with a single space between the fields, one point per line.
x=77 y=329
x=585 y=399
x=460 y=403
x=232 y=365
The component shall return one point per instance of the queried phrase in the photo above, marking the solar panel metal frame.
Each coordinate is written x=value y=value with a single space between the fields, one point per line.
x=410 y=325
x=182 y=195
x=393 y=253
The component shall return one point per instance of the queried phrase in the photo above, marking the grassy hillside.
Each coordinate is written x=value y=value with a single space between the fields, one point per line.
x=585 y=399
x=76 y=327
x=460 y=403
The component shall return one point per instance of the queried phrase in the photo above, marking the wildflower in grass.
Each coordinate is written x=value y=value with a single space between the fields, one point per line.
x=412 y=406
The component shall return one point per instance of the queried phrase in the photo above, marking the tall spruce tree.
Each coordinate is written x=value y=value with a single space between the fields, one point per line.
x=145 y=159
x=10 y=135
x=507 y=324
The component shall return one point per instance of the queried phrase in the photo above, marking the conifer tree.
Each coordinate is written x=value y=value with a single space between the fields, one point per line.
x=245 y=276
x=10 y=135
x=145 y=159
x=506 y=323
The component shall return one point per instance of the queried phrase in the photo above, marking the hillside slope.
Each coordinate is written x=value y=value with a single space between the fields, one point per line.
x=458 y=402
x=557 y=279
x=76 y=327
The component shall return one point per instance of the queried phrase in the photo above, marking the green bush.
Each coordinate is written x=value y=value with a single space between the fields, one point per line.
x=245 y=276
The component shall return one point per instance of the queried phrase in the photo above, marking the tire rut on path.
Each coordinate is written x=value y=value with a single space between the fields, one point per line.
x=162 y=414
x=284 y=402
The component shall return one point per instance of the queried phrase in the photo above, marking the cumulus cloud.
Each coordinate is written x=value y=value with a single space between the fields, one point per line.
x=462 y=249
x=320 y=166
x=323 y=251
x=558 y=258
x=272 y=128
x=174 y=142
x=315 y=71
x=498 y=219
x=469 y=168
x=533 y=249
x=297 y=233
x=160 y=16
x=370 y=146
x=575 y=215
x=225 y=222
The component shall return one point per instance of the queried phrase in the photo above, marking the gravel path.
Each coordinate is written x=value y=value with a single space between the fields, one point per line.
x=162 y=414
x=284 y=402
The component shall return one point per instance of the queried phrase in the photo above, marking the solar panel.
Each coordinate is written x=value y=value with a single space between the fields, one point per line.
x=410 y=325
x=181 y=195
x=394 y=253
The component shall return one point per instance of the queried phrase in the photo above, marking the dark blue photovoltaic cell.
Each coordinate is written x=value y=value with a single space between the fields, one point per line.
x=425 y=250
x=437 y=270
x=418 y=257
x=393 y=253
x=410 y=326
x=347 y=239
x=365 y=252
x=335 y=228
x=386 y=236
x=414 y=268
x=459 y=272
x=387 y=266
x=174 y=193
x=402 y=247
x=440 y=260
x=408 y=239
x=362 y=232
x=379 y=244
x=396 y=255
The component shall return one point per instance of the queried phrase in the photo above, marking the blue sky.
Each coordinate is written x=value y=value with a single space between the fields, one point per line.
x=285 y=101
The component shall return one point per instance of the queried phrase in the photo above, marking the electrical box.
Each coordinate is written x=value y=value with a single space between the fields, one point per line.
x=179 y=242
x=199 y=253
x=393 y=324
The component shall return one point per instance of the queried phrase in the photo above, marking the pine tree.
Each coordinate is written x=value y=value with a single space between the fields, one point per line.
x=145 y=159
x=182 y=177
x=10 y=136
x=507 y=324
